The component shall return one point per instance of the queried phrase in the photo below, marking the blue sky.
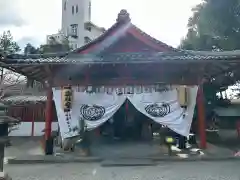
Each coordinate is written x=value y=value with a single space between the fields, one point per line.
x=31 y=20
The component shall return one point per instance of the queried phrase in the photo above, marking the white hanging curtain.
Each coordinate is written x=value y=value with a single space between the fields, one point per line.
x=94 y=109
x=97 y=108
x=164 y=108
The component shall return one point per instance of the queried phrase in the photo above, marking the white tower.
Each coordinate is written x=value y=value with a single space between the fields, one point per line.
x=75 y=14
x=76 y=24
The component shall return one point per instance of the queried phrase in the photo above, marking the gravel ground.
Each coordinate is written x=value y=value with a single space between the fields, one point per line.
x=164 y=171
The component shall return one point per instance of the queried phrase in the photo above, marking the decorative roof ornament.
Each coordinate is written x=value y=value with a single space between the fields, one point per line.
x=123 y=16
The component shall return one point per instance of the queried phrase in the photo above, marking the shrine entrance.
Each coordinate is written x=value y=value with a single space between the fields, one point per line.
x=128 y=133
x=128 y=124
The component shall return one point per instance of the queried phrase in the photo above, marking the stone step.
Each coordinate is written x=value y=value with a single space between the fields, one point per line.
x=128 y=162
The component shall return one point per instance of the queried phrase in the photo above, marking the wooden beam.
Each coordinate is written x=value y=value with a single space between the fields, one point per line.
x=124 y=81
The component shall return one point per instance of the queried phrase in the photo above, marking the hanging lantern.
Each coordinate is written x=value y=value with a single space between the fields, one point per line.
x=182 y=96
x=67 y=96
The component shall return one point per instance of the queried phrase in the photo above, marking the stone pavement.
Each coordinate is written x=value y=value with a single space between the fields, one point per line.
x=24 y=146
x=28 y=151
x=218 y=151
x=163 y=171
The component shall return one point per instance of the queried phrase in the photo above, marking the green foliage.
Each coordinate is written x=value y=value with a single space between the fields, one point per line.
x=215 y=25
x=54 y=46
x=30 y=49
x=7 y=44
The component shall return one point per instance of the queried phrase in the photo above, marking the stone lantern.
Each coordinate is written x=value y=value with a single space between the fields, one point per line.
x=5 y=123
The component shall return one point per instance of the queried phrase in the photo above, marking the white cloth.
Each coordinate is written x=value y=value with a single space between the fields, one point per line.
x=100 y=106
x=97 y=108
x=178 y=119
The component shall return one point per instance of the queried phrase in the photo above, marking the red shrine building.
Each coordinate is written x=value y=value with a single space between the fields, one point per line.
x=122 y=37
x=122 y=55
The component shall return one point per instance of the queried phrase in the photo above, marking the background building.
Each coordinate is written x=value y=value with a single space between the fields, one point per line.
x=76 y=24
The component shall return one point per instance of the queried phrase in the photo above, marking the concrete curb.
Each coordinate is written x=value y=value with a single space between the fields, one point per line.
x=56 y=160
x=177 y=159
x=53 y=160
x=128 y=162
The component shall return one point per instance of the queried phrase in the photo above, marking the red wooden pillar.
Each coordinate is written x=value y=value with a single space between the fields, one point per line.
x=49 y=114
x=201 y=117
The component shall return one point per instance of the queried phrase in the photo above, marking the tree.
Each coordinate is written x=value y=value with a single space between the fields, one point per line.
x=8 y=78
x=215 y=25
x=7 y=44
x=30 y=49
x=54 y=46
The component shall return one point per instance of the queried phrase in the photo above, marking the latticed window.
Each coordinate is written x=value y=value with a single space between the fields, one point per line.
x=72 y=9
x=76 y=8
x=74 y=30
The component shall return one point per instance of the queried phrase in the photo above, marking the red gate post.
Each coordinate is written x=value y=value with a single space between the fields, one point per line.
x=201 y=117
x=48 y=122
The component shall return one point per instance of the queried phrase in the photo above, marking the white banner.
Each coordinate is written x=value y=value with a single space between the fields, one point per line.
x=96 y=108
x=165 y=109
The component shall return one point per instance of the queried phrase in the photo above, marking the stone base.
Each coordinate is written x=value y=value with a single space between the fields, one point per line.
x=4 y=176
x=84 y=152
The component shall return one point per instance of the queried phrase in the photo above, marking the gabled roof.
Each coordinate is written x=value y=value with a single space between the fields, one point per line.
x=21 y=99
x=120 y=29
x=99 y=52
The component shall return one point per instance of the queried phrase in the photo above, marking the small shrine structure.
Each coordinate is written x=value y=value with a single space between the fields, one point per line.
x=125 y=55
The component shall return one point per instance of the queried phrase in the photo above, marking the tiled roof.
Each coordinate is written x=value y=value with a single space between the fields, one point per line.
x=24 y=98
x=155 y=40
x=214 y=53
x=22 y=89
x=126 y=58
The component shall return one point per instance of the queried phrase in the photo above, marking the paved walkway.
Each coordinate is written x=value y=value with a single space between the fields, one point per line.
x=127 y=149
x=24 y=146
x=28 y=150
x=213 y=150
x=93 y=171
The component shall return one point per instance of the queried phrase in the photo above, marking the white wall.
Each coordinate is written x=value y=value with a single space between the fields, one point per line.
x=94 y=33
x=59 y=37
x=25 y=129
x=69 y=18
